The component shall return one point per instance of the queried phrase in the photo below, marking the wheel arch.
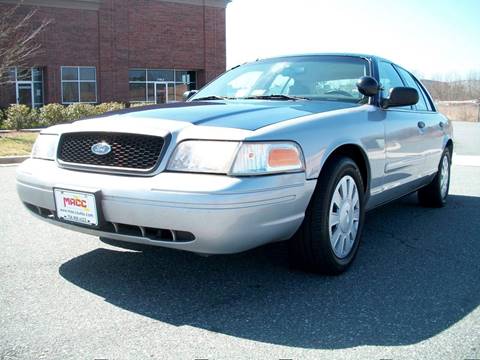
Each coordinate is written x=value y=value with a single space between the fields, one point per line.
x=449 y=145
x=357 y=154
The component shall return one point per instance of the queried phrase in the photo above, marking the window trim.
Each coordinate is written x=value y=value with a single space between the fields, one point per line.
x=30 y=82
x=78 y=81
x=147 y=82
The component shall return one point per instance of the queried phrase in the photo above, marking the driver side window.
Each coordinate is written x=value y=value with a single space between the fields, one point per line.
x=389 y=79
x=422 y=104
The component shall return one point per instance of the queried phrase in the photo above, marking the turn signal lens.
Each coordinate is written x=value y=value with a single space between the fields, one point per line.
x=279 y=158
x=267 y=158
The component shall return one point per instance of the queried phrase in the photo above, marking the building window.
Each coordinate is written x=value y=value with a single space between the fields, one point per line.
x=28 y=86
x=160 y=85
x=79 y=84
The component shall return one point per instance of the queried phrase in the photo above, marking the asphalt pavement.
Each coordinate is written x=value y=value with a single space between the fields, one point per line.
x=467 y=135
x=412 y=293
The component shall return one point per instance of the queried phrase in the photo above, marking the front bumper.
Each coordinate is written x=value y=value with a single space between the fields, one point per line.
x=224 y=214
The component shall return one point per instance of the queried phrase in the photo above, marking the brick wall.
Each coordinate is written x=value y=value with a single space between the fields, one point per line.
x=125 y=34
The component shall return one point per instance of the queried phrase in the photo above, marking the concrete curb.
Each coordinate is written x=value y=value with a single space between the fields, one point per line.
x=6 y=160
x=22 y=130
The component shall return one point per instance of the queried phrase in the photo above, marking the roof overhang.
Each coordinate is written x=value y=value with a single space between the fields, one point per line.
x=65 y=4
x=212 y=3
x=95 y=4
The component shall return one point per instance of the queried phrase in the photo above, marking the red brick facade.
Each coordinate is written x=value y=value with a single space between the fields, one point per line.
x=119 y=35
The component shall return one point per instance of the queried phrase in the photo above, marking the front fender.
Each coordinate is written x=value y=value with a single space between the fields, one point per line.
x=319 y=135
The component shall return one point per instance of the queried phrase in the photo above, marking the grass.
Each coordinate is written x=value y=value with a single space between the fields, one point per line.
x=16 y=143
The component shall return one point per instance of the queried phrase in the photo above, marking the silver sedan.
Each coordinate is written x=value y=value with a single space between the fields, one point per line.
x=293 y=148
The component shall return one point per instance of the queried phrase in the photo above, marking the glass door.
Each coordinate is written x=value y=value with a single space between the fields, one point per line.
x=164 y=92
x=24 y=93
x=161 y=93
x=28 y=86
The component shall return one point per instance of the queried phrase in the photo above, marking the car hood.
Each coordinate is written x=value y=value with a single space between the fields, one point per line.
x=245 y=115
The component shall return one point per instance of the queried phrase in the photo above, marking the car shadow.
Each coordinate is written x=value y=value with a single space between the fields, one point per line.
x=416 y=274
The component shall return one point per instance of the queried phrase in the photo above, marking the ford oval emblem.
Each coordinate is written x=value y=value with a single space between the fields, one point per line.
x=101 y=148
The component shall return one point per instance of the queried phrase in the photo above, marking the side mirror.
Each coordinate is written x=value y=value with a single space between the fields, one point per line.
x=368 y=86
x=188 y=94
x=401 y=96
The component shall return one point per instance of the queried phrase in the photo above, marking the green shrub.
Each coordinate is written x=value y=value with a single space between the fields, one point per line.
x=109 y=106
x=20 y=117
x=79 y=111
x=52 y=114
x=2 y=118
x=138 y=104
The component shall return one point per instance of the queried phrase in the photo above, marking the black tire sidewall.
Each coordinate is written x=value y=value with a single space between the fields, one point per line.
x=431 y=194
x=341 y=168
x=446 y=153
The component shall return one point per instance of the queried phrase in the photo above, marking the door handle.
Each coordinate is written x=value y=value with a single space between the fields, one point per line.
x=441 y=124
x=421 y=124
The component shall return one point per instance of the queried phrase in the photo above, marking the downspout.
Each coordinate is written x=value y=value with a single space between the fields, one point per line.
x=204 y=44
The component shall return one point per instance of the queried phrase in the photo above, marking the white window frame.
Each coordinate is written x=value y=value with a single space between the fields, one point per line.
x=32 y=83
x=79 y=81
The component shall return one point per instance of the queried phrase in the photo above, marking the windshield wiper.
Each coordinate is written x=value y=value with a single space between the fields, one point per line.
x=211 y=97
x=276 y=97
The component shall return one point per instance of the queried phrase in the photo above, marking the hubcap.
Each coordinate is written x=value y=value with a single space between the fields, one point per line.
x=344 y=216
x=444 y=176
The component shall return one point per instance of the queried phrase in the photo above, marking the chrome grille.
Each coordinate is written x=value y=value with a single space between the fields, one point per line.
x=128 y=151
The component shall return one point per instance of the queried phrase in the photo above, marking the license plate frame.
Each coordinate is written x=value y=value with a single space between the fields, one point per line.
x=92 y=200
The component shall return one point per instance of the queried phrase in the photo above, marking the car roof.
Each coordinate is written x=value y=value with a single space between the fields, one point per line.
x=358 y=55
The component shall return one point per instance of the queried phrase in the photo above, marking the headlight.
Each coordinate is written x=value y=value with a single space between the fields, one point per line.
x=45 y=147
x=236 y=159
x=203 y=156
x=267 y=158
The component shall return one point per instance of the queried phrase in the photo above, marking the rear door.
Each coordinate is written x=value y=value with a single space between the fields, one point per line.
x=404 y=137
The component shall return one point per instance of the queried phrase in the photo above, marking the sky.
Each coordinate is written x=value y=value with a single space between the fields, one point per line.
x=433 y=38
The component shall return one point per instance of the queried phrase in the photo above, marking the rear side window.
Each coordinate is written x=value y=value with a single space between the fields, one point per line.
x=410 y=81
x=389 y=79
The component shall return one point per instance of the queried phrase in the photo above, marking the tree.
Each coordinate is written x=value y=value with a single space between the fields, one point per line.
x=453 y=87
x=18 y=35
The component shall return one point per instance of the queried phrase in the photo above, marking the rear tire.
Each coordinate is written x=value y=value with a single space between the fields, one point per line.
x=328 y=239
x=435 y=194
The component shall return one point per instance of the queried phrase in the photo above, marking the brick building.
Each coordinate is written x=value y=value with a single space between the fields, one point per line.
x=120 y=50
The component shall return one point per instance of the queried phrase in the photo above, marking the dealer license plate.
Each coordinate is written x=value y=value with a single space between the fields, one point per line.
x=77 y=207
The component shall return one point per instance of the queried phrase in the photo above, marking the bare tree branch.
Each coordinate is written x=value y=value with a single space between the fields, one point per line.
x=453 y=87
x=18 y=35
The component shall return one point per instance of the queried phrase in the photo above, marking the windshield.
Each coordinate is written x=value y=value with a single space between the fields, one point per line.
x=312 y=77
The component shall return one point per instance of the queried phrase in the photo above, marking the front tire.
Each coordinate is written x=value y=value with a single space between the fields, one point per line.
x=435 y=194
x=328 y=238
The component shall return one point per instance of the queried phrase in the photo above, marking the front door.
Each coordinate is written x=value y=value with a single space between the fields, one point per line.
x=24 y=94
x=164 y=92
x=161 y=93
x=404 y=137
